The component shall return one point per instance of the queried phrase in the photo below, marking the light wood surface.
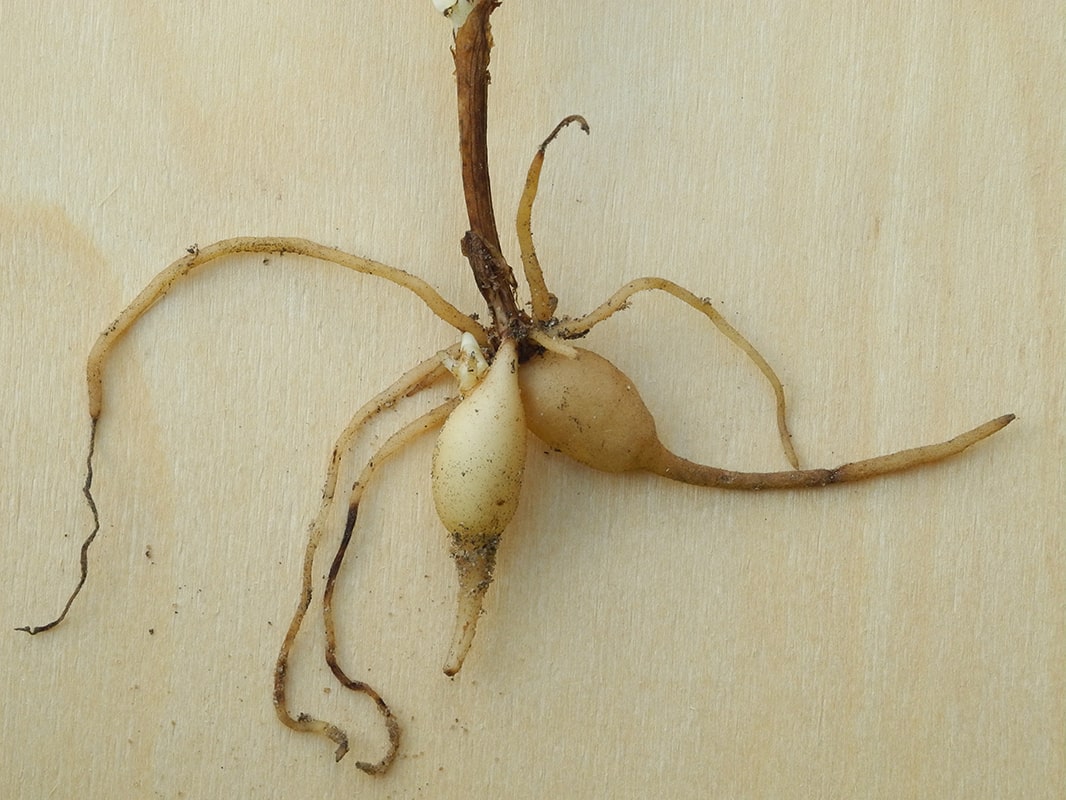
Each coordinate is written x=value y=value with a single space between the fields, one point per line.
x=873 y=193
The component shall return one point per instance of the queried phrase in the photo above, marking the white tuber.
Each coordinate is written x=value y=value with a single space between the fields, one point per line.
x=477 y=478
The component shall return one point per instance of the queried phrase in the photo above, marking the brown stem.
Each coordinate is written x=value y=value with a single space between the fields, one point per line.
x=481 y=245
x=473 y=41
x=495 y=281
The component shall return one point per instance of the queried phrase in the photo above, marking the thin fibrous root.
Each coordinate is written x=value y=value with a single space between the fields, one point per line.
x=413 y=381
x=428 y=421
x=158 y=288
x=575 y=328
x=86 y=490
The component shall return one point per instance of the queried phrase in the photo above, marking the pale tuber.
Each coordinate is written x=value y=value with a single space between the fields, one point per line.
x=477 y=477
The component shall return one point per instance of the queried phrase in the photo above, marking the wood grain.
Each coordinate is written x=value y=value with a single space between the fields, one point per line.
x=872 y=193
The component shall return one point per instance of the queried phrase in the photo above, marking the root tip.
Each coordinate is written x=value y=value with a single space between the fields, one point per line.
x=33 y=630
x=372 y=769
x=997 y=424
x=342 y=751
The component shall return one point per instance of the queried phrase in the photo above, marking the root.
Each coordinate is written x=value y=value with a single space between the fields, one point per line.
x=413 y=381
x=86 y=490
x=428 y=421
x=165 y=280
x=576 y=328
x=157 y=289
x=679 y=469
x=542 y=301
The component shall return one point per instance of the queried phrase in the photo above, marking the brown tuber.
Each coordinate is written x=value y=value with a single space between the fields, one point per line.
x=589 y=409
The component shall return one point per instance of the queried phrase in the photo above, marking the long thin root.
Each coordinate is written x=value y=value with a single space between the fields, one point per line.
x=393 y=444
x=413 y=381
x=572 y=329
x=680 y=469
x=542 y=301
x=87 y=491
x=163 y=282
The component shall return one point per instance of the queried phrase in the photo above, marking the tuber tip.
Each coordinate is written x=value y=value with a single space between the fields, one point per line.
x=475 y=559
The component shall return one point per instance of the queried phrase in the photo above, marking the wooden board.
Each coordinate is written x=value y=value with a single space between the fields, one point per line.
x=873 y=194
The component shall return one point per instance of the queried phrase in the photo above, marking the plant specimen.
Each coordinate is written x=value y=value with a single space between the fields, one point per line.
x=517 y=373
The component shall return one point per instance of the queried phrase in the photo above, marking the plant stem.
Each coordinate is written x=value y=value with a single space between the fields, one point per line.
x=481 y=245
x=473 y=41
